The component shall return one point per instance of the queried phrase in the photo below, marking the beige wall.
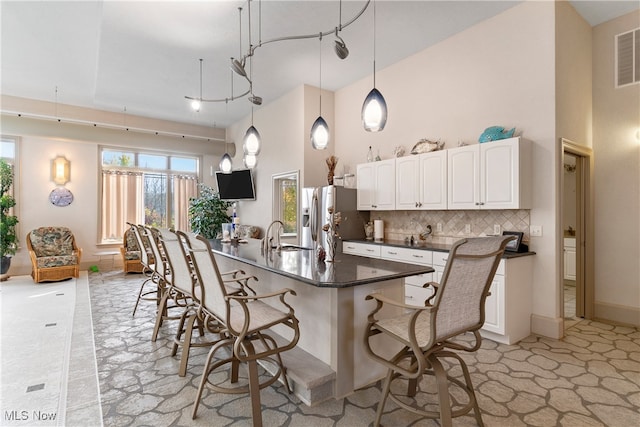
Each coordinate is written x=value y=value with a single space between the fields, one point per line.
x=42 y=140
x=616 y=148
x=499 y=72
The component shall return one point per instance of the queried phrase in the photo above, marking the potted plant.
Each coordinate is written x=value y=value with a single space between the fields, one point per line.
x=8 y=237
x=207 y=213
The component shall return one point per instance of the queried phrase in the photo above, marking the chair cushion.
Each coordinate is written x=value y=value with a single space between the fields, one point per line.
x=57 y=261
x=130 y=242
x=51 y=241
x=132 y=255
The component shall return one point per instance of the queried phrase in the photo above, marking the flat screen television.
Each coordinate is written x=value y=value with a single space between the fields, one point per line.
x=237 y=185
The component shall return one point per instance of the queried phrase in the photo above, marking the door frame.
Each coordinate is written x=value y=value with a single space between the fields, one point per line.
x=585 y=248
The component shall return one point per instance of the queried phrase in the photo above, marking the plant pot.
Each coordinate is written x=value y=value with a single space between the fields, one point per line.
x=5 y=263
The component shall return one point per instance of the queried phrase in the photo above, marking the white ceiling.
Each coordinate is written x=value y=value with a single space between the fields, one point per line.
x=142 y=56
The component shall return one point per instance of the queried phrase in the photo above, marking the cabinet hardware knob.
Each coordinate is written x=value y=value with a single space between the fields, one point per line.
x=418 y=256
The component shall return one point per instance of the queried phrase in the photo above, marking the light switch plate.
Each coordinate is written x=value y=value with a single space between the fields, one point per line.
x=439 y=227
x=497 y=229
x=467 y=228
x=535 y=230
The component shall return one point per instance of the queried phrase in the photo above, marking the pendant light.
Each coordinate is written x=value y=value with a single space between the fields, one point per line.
x=226 y=163
x=374 y=108
x=250 y=161
x=251 y=141
x=320 y=129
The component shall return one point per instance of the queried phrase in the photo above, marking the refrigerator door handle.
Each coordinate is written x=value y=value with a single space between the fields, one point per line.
x=314 y=215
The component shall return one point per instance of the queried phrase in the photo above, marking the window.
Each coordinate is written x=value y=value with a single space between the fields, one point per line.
x=285 y=201
x=145 y=188
x=8 y=153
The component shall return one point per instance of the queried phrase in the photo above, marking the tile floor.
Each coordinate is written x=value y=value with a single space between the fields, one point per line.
x=590 y=378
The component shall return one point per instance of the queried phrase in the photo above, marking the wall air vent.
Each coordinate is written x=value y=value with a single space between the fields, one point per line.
x=628 y=58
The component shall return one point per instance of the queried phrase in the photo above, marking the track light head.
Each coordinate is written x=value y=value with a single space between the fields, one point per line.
x=238 y=67
x=340 y=47
x=255 y=100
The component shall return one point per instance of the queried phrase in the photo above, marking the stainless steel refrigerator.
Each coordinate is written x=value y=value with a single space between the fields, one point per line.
x=315 y=214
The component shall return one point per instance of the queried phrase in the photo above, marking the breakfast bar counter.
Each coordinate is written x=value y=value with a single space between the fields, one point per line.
x=330 y=305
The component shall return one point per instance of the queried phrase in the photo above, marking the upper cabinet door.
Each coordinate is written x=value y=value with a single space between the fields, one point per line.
x=492 y=175
x=408 y=183
x=365 y=186
x=500 y=175
x=385 y=187
x=433 y=180
x=463 y=165
x=376 y=185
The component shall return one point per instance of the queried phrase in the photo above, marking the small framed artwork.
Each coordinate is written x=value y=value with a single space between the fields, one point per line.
x=516 y=244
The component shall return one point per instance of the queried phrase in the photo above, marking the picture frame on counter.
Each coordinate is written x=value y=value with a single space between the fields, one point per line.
x=515 y=245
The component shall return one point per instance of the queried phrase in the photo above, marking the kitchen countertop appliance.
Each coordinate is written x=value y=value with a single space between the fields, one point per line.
x=315 y=214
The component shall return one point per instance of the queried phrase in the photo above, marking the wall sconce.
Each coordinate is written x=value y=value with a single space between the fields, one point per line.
x=60 y=170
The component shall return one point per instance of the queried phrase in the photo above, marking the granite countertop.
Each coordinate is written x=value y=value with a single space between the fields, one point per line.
x=301 y=265
x=430 y=246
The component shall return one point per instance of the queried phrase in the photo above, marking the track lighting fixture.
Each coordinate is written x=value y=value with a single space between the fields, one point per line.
x=340 y=47
x=251 y=141
x=238 y=65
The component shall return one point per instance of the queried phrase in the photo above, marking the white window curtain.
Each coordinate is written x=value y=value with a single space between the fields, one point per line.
x=122 y=202
x=184 y=188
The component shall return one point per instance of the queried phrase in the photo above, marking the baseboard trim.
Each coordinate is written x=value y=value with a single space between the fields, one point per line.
x=550 y=327
x=620 y=314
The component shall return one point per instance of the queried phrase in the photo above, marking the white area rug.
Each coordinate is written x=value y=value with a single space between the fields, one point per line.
x=36 y=325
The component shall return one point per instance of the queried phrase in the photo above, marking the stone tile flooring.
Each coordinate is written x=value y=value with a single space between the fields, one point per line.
x=590 y=378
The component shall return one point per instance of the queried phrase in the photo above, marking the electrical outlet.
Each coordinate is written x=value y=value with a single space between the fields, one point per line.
x=467 y=228
x=439 y=227
x=497 y=229
x=535 y=230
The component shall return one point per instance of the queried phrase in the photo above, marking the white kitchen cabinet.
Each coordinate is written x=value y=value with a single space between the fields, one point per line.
x=376 y=185
x=421 y=181
x=370 y=250
x=570 y=258
x=507 y=308
x=494 y=307
x=492 y=175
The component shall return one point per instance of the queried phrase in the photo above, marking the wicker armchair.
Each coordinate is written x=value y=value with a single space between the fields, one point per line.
x=54 y=254
x=130 y=252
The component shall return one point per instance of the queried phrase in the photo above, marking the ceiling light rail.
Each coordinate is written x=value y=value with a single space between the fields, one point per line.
x=238 y=65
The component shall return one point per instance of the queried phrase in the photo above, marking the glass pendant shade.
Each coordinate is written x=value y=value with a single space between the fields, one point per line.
x=250 y=161
x=225 y=163
x=251 y=142
x=195 y=105
x=374 y=111
x=320 y=134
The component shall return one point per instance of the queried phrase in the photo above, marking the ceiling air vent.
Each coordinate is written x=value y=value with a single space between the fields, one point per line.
x=628 y=58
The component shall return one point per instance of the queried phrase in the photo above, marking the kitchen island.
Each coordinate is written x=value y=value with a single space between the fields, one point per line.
x=331 y=307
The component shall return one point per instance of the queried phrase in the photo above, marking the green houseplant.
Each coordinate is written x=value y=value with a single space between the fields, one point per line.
x=207 y=213
x=8 y=237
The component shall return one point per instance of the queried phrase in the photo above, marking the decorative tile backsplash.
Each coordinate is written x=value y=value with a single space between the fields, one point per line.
x=401 y=224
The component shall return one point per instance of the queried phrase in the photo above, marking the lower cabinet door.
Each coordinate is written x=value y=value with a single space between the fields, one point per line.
x=494 y=307
x=414 y=295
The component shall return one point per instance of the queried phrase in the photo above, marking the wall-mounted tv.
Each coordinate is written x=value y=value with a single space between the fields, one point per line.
x=237 y=185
